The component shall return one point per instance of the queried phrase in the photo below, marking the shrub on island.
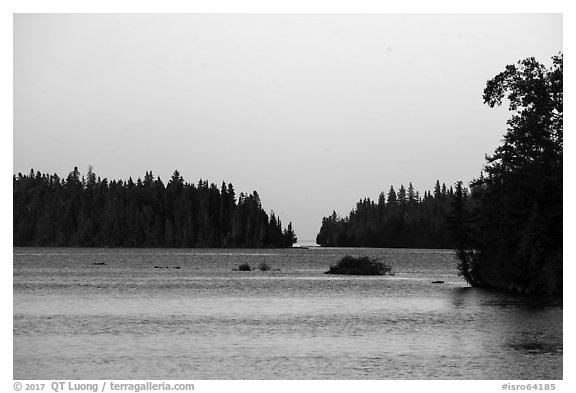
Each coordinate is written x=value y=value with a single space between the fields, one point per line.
x=243 y=267
x=359 y=266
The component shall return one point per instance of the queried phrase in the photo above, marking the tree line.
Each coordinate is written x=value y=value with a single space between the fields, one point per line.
x=399 y=219
x=88 y=211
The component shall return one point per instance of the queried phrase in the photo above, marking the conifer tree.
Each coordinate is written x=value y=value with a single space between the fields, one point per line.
x=392 y=196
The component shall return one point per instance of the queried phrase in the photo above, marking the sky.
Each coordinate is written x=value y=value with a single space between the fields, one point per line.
x=313 y=111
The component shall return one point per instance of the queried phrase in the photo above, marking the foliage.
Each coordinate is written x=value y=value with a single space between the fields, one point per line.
x=263 y=267
x=402 y=219
x=90 y=212
x=359 y=266
x=512 y=227
x=244 y=267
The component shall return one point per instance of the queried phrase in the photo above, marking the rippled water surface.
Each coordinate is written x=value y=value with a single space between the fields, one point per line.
x=186 y=314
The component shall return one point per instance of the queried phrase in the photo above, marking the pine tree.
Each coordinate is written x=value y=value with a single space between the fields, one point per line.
x=411 y=195
x=437 y=190
x=402 y=198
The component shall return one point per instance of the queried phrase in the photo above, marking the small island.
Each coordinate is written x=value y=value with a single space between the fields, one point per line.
x=360 y=266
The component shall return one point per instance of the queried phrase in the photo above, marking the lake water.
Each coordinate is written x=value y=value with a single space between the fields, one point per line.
x=115 y=314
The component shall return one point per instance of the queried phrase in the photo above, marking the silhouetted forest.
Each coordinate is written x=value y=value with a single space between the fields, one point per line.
x=398 y=219
x=509 y=231
x=91 y=212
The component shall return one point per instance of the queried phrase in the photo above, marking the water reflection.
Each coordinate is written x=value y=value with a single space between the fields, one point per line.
x=528 y=326
x=468 y=296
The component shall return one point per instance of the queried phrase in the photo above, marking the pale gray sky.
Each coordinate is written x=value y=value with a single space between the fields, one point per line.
x=314 y=111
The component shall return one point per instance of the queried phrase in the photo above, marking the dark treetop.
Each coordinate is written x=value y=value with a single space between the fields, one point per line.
x=90 y=212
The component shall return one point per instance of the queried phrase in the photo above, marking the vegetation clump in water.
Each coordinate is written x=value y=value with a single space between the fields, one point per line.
x=264 y=267
x=243 y=268
x=359 y=266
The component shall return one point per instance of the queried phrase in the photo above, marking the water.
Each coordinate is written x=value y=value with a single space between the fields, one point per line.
x=110 y=314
